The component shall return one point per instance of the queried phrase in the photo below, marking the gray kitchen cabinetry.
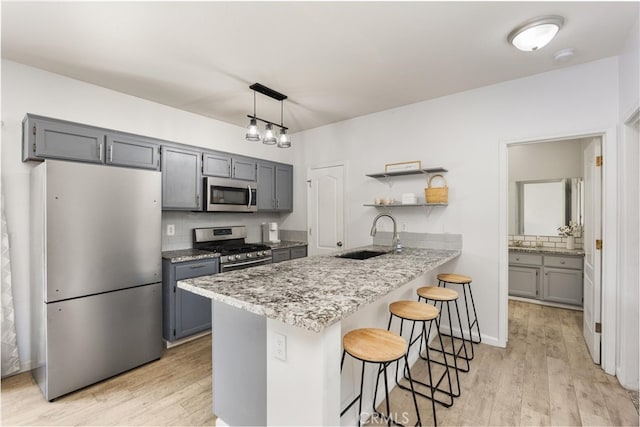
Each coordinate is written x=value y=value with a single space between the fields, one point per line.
x=227 y=166
x=554 y=278
x=137 y=152
x=275 y=187
x=56 y=139
x=285 y=254
x=181 y=179
x=46 y=138
x=563 y=280
x=185 y=313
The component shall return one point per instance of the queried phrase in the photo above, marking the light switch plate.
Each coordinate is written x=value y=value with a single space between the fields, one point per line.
x=280 y=347
x=171 y=229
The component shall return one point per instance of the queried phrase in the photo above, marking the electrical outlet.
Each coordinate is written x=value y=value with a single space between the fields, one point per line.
x=280 y=348
x=403 y=227
x=171 y=229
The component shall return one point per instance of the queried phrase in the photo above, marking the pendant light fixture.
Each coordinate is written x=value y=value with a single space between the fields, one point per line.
x=536 y=33
x=253 y=134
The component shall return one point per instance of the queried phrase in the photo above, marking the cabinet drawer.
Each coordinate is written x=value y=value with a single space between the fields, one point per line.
x=563 y=262
x=196 y=269
x=529 y=259
x=298 y=252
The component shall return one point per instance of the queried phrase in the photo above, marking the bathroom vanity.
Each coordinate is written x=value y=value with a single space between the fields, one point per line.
x=546 y=274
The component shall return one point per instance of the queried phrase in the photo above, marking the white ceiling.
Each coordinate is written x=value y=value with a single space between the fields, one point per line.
x=335 y=60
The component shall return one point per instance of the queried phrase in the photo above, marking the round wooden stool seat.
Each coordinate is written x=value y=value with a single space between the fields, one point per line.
x=374 y=345
x=414 y=310
x=435 y=293
x=454 y=278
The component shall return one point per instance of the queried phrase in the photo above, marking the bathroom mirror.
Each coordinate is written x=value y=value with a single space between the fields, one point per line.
x=540 y=207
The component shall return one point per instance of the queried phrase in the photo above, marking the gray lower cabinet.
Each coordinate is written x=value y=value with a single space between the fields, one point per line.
x=124 y=150
x=555 y=278
x=181 y=179
x=285 y=254
x=275 y=187
x=185 y=313
x=56 y=139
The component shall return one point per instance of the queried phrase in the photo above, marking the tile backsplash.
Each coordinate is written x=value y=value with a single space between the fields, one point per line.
x=542 y=241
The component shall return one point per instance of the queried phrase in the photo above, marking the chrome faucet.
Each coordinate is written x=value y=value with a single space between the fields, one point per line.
x=395 y=242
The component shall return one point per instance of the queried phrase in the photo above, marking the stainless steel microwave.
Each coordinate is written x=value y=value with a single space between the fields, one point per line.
x=229 y=195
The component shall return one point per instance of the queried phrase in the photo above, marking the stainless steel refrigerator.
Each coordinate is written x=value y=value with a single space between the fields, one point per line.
x=95 y=273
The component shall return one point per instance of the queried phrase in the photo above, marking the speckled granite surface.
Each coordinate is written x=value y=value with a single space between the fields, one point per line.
x=284 y=244
x=315 y=292
x=548 y=251
x=183 y=255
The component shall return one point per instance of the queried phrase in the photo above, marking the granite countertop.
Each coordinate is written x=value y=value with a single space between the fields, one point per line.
x=316 y=292
x=283 y=244
x=543 y=250
x=183 y=255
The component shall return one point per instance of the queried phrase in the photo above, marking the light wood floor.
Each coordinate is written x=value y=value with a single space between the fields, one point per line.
x=544 y=377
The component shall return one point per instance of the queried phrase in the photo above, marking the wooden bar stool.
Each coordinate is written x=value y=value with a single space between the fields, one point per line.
x=465 y=281
x=414 y=312
x=372 y=345
x=444 y=295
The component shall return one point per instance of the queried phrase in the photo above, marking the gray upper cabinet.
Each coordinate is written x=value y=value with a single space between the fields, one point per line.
x=243 y=168
x=56 y=139
x=284 y=187
x=181 y=179
x=216 y=164
x=266 y=187
x=226 y=165
x=124 y=150
x=275 y=187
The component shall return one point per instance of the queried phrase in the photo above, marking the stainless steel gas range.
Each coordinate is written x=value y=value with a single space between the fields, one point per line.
x=229 y=242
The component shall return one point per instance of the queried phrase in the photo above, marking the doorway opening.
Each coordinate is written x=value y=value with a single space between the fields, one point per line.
x=554 y=221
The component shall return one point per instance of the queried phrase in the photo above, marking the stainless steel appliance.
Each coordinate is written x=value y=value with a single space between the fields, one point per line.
x=229 y=195
x=95 y=273
x=229 y=242
x=270 y=233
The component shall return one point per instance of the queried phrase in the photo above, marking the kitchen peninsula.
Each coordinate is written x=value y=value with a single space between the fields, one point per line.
x=277 y=330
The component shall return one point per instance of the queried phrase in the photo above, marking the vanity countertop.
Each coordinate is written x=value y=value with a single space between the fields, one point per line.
x=549 y=251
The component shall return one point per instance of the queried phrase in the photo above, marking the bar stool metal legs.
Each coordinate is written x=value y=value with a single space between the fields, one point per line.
x=465 y=281
x=382 y=347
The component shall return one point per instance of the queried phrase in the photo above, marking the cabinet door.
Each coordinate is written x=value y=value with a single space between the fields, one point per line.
x=266 y=187
x=284 y=187
x=181 y=179
x=562 y=285
x=216 y=164
x=193 y=313
x=133 y=152
x=523 y=281
x=243 y=169
x=298 y=252
x=280 y=255
x=53 y=140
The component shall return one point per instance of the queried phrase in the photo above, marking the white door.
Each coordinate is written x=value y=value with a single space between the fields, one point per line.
x=325 y=209
x=592 y=258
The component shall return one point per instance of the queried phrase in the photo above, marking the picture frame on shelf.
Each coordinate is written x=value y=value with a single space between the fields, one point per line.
x=403 y=166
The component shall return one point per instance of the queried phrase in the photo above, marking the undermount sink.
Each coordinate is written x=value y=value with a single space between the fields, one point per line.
x=363 y=254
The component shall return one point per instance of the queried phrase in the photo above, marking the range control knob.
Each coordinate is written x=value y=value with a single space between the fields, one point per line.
x=231 y=257
x=260 y=253
x=249 y=255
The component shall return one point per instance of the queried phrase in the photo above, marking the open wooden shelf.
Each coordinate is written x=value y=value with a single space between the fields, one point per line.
x=401 y=173
x=398 y=205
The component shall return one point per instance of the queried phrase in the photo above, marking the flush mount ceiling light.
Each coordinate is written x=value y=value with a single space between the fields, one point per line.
x=253 y=134
x=534 y=34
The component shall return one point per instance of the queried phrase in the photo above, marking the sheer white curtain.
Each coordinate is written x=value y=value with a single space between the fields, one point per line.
x=10 y=359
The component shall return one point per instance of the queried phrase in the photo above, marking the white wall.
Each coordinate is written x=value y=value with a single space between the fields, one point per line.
x=628 y=354
x=463 y=133
x=30 y=90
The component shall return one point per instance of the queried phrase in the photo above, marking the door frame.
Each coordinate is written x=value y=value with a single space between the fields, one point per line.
x=345 y=210
x=609 y=237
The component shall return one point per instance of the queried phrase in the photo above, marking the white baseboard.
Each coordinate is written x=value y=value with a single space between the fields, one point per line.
x=486 y=339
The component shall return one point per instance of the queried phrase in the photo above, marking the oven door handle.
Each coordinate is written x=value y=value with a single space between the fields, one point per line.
x=250 y=196
x=240 y=264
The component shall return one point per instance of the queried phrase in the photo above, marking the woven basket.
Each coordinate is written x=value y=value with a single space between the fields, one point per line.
x=436 y=194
